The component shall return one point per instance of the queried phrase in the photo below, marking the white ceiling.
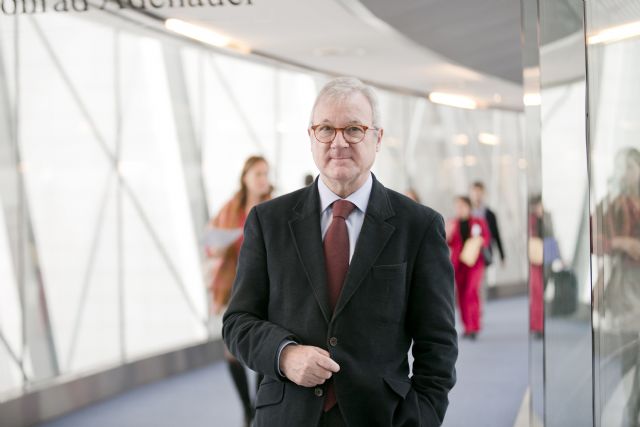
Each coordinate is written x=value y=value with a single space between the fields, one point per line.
x=343 y=37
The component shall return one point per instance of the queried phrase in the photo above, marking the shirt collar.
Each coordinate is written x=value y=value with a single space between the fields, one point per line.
x=360 y=197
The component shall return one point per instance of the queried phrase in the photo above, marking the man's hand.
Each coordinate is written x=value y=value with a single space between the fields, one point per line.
x=306 y=365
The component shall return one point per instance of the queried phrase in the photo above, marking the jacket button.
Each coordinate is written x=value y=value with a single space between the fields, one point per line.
x=333 y=341
x=319 y=392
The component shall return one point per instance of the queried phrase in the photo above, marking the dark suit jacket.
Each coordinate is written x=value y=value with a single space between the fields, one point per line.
x=495 y=231
x=399 y=288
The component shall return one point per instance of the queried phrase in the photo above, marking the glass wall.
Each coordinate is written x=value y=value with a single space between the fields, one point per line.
x=118 y=143
x=614 y=90
x=589 y=168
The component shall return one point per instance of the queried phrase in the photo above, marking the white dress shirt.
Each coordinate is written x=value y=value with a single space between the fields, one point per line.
x=360 y=198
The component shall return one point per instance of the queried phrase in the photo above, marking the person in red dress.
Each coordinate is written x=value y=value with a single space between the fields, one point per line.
x=468 y=278
x=539 y=228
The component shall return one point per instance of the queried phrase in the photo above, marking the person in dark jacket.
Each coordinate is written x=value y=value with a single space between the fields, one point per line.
x=337 y=280
x=480 y=210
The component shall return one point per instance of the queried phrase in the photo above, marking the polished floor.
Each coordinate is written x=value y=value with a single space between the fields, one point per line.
x=492 y=379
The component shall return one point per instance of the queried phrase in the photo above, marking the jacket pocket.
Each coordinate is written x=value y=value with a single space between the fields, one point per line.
x=388 y=292
x=270 y=394
x=390 y=279
x=394 y=271
x=400 y=386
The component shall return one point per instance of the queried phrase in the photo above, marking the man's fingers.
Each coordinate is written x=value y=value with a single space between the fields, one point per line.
x=320 y=378
x=322 y=373
x=311 y=380
x=312 y=365
x=327 y=363
x=322 y=351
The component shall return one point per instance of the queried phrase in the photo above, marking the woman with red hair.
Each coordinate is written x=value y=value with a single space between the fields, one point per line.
x=254 y=188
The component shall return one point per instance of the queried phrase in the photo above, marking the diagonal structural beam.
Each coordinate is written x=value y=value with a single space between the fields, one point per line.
x=86 y=282
x=13 y=357
x=244 y=118
x=161 y=249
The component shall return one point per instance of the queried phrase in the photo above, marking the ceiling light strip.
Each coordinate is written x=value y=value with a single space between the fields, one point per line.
x=452 y=100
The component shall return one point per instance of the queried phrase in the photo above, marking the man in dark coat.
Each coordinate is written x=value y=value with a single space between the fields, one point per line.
x=336 y=281
x=480 y=210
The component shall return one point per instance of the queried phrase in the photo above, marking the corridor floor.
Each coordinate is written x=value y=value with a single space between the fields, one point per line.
x=492 y=379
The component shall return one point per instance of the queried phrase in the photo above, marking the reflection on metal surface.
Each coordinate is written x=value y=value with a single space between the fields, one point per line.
x=617 y=294
x=558 y=223
x=531 y=164
x=615 y=34
x=612 y=55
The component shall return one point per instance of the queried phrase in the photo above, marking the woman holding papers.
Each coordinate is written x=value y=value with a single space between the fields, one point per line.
x=469 y=239
x=254 y=188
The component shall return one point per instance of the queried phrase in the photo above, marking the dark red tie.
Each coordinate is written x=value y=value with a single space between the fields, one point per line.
x=336 y=256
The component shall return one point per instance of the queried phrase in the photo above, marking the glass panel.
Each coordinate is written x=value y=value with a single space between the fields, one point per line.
x=10 y=316
x=559 y=221
x=240 y=123
x=64 y=161
x=162 y=283
x=296 y=94
x=614 y=89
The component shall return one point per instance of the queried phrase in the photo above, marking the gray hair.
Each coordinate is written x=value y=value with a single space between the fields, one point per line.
x=341 y=87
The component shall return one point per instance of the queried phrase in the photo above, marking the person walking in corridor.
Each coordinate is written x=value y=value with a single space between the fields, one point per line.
x=468 y=237
x=481 y=210
x=254 y=188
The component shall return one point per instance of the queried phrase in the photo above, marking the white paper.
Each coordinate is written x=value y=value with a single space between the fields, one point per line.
x=221 y=238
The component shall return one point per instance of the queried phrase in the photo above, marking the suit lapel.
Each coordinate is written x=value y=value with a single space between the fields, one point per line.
x=305 y=231
x=374 y=235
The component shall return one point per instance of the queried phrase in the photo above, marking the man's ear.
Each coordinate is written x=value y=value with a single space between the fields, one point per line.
x=379 y=141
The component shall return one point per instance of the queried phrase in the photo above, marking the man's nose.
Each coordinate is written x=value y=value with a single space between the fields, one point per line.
x=339 y=141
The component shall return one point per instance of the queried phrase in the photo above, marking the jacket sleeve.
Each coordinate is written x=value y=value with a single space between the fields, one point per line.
x=431 y=321
x=246 y=329
x=495 y=232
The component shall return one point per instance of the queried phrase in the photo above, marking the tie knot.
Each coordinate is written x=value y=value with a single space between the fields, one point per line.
x=342 y=208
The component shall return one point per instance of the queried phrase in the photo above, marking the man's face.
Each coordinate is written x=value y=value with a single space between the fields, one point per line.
x=476 y=195
x=338 y=160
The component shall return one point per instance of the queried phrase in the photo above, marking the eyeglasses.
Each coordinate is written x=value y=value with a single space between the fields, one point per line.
x=352 y=134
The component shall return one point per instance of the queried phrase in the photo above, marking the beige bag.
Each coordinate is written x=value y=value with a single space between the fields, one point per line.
x=536 y=251
x=471 y=251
